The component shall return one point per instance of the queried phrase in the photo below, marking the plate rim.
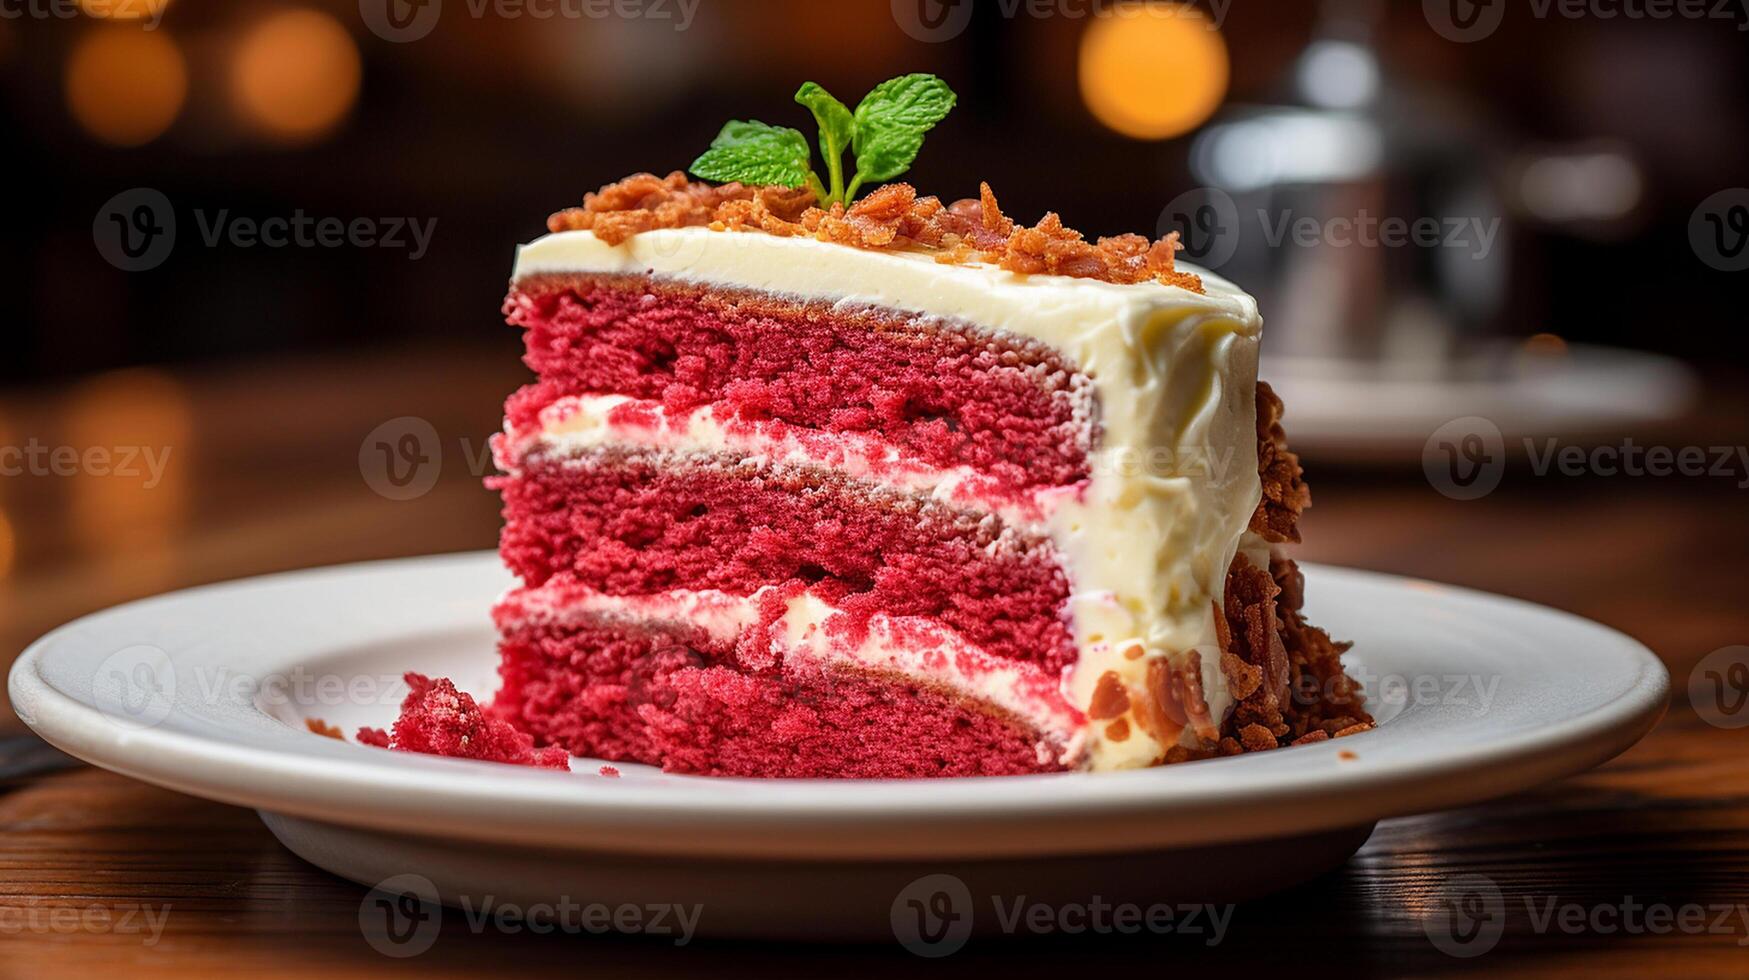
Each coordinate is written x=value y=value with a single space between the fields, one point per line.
x=979 y=816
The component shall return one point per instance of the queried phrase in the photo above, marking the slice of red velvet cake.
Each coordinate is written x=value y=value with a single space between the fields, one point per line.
x=893 y=490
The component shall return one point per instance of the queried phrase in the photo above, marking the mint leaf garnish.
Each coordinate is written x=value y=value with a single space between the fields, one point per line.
x=756 y=153
x=885 y=133
x=837 y=128
x=891 y=121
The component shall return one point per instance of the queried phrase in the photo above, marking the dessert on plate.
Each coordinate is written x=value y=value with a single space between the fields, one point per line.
x=812 y=484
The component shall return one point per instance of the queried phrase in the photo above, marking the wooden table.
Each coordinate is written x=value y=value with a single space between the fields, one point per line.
x=265 y=477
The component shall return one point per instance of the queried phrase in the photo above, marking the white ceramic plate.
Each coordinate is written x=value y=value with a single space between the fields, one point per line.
x=206 y=692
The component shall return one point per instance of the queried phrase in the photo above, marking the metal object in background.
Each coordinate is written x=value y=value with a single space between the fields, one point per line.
x=1362 y=210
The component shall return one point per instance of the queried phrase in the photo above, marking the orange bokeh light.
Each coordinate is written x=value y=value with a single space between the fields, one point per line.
x=126 y=86
x=295 y=74
x=8 y=546
x=1153 y=71
x=140 y=417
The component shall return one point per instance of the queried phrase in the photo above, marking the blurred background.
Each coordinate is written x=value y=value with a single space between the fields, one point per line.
x=251 y=243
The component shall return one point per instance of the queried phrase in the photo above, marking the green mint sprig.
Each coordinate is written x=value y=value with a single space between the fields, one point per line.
x=884 y=135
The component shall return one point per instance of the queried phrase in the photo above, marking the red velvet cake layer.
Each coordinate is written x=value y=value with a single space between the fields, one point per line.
x=948 y=394
x=627 y=523
x=618 y=691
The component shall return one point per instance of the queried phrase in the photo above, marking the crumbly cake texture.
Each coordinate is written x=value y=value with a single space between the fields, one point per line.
x=437 y=719
x=891 y=217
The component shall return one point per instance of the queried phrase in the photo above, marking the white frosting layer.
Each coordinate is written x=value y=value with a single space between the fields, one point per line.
x=813 y=631
x=1149 y=537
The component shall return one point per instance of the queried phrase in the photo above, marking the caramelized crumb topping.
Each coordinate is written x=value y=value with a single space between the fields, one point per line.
x=892 y=217
x=1285 y=494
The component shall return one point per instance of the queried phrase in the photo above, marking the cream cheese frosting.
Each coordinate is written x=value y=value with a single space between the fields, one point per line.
x=1148 y=538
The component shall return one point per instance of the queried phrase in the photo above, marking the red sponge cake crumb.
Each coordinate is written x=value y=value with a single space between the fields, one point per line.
x=437 y=719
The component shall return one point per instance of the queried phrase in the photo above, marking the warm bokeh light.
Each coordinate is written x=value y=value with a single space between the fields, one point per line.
x=8 y=546
x=123 y=9
x=1153 y=71
x=295 y=74
x=1545 y=344
x=126 y=86
x=126 y=505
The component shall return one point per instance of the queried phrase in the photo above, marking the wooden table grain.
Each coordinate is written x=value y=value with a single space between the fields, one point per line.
x=101 y=874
